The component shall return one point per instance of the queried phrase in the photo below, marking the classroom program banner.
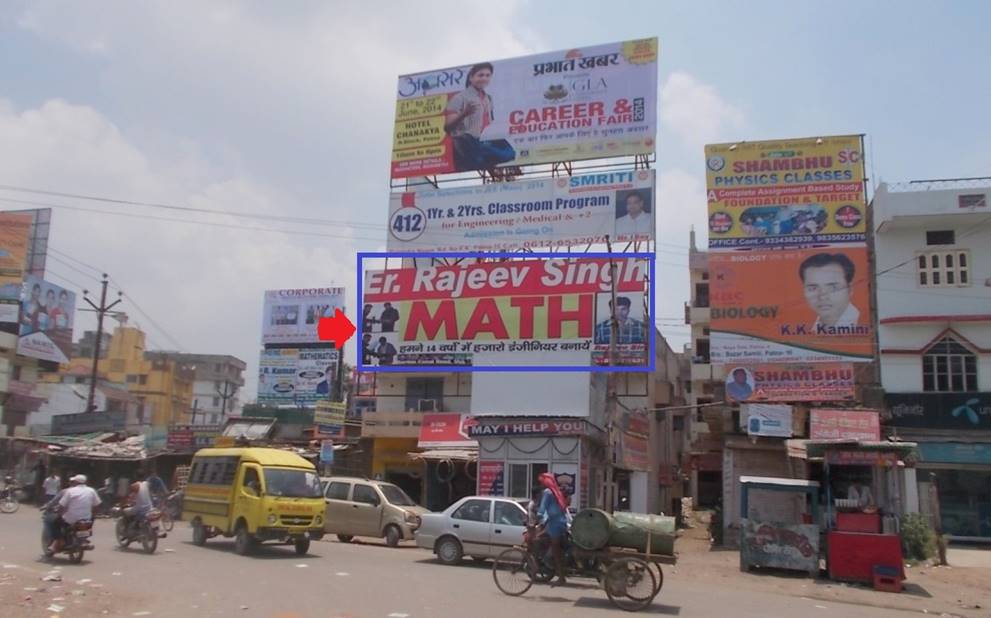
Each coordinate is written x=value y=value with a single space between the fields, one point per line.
x=508 y=216
x=786 y=193
x=583 y=103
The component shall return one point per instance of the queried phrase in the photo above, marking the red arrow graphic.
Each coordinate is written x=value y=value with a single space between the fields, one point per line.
x=337 y=329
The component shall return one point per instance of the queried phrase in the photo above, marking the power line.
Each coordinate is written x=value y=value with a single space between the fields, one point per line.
x=246 y=215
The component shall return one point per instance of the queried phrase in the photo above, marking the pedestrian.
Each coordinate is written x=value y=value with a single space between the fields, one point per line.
x=51 y=486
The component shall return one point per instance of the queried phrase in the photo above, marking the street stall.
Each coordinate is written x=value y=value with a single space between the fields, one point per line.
x=779 y=530
x=865 y=490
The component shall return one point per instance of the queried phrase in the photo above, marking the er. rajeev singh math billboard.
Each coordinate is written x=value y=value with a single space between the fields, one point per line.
x=526 y=313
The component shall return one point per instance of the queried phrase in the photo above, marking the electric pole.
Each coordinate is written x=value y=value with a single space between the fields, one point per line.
x=611 y=387
x=229 y=391
x=100 y=311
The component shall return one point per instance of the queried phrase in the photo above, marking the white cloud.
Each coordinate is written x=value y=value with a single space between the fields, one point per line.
x=228 y=106
x=696 y=113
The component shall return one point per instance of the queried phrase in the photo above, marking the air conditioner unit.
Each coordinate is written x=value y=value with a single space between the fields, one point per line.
x=427 y=405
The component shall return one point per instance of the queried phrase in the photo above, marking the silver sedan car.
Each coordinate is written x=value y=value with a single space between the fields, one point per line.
x=476 y=526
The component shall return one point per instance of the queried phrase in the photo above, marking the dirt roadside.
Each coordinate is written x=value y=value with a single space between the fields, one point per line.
x=42 y=590
x=952 y=591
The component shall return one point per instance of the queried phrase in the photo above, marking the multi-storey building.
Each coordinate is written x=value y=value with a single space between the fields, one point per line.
x=218 y=379
x=704 y=390
x=933 y=268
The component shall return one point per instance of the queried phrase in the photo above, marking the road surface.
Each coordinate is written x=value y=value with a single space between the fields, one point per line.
x=343 y=580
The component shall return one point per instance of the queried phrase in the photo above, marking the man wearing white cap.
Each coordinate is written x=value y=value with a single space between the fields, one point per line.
x=77 y=503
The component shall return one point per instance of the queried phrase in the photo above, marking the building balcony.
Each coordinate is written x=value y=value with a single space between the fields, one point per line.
x=391 y=424
x=701 y=372
x=948 y=203
x=699 y=315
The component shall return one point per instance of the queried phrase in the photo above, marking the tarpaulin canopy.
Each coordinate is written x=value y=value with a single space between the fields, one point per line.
x=442 y=454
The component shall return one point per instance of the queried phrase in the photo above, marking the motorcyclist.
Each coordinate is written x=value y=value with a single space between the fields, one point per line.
x=77 y=504
x=138 y=502
x=553 y=506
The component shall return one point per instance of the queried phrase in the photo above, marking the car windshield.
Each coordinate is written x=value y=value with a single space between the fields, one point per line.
x=396 y=496
x=292 y=483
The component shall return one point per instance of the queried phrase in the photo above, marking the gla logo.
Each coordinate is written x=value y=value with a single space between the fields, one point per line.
x=968 y=410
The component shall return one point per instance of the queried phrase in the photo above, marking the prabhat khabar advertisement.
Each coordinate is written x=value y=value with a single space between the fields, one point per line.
x=786 y=193
x=508 y=216
x=582 y=103
x=15 y=231
x=526 y=313
x=800 y=305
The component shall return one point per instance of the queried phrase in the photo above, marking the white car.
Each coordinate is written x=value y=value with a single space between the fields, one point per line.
x=476 y=526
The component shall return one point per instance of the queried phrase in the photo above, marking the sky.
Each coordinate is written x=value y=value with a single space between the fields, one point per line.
x=286 y=109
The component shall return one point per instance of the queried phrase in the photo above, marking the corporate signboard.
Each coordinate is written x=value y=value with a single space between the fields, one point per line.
x=786 y=193
x=291 y=315
x=521 y=313
x=14 y=239
x=47 y=313
x=790 y=382
x=296 y=377
x=508 y=216
x=800 y=305
x=826 y=424
x=582 y=103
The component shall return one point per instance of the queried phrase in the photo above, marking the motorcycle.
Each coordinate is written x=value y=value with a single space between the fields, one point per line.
x=9 y=499
x=75 y=539
x=146 y=529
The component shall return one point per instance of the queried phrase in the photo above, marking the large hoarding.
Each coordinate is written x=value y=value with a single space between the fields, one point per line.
x=291 y=315
x=786 y=193
x=529 y=313
x=802 y=305
x=295 y=377
x=583 y=103
x=47 y=314
x=790 y=382
x=580 y=210
x=14 y=239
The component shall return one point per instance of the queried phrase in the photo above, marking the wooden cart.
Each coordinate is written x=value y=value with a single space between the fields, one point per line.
x=631 y=579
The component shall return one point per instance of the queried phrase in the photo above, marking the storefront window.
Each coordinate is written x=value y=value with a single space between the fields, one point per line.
x=965 y=502
x=524 y=478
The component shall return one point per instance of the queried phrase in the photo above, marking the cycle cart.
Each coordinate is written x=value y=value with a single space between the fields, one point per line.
x=631 y=579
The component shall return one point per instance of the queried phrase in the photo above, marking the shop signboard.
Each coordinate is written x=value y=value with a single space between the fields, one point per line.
x=15 y=231
x=329 y=417
x=557 y=212
x=955 y=453
x=632 y=441
x=530 y=313
x=958 y=411
x=828 y=424
x=88 y=422
x=445 y=431
x=790 y=382
x=191 y=436
x=582 y=103
x=842 y=457
x=491 y=478
x=528 y=428
x=786 y=193
x=47 y=314
x=762 y=419
x=291 y=315
x=296 y=377
x=795 y=306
